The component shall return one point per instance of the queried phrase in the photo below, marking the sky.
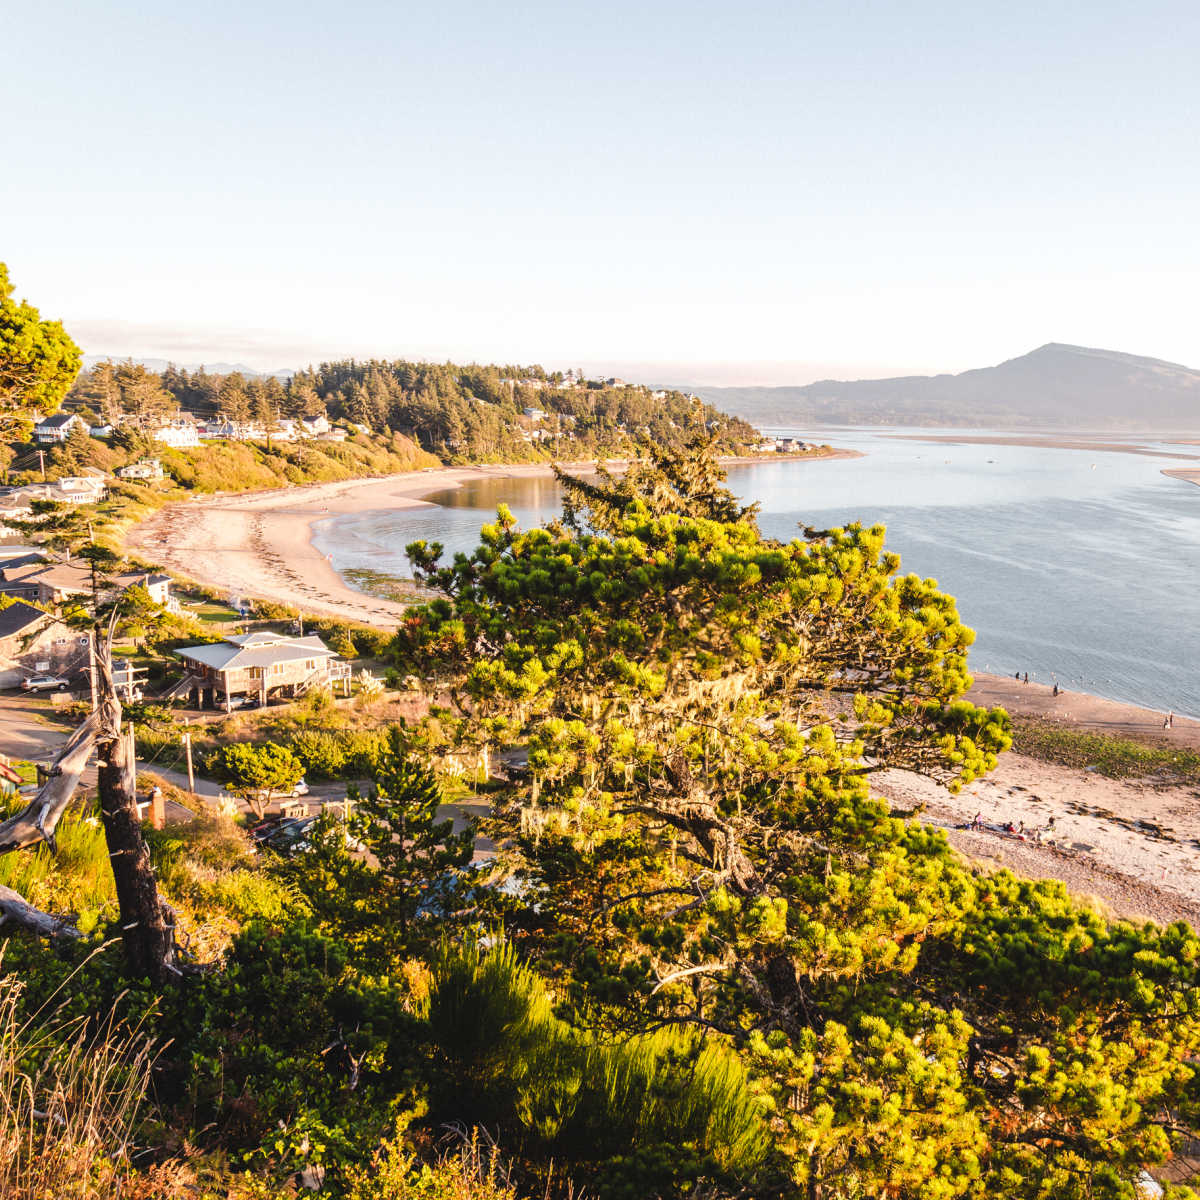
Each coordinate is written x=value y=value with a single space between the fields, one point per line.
x=751 y=193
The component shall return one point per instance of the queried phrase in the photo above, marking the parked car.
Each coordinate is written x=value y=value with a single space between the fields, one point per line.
x=45 y=683
x=301 y=789
x=290 y=836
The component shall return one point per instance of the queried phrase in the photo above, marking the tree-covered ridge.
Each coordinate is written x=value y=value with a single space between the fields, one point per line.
x=459 y=413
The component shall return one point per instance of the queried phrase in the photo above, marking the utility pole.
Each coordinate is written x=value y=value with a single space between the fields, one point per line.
x=42 y=460
x=187 y=746
x=92 y=667
x=132 y=756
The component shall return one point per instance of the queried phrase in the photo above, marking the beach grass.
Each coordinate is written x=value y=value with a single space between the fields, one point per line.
x=1126 y=757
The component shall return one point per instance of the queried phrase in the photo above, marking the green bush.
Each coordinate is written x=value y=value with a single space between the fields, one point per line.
x=684 y=1103
x=323 y=754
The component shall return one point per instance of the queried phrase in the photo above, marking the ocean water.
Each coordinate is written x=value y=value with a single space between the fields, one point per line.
x=1081 y=566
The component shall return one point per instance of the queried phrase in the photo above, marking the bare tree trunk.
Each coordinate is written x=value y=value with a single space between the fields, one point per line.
x=147 y=923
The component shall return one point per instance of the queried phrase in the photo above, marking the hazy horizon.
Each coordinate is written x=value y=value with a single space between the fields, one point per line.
x=766 y=196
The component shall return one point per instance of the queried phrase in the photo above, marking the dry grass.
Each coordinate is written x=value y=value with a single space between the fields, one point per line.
x=70 y=1097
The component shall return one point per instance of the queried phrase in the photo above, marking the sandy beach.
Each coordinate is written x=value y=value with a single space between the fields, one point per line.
x=1132 y=843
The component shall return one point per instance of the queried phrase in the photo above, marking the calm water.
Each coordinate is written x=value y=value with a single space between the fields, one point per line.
x=1077 y=566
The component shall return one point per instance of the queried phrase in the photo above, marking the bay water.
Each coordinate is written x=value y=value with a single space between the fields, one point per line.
x=1078 y=566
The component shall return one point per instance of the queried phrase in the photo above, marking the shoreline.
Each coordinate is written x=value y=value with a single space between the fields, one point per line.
x=259 y=544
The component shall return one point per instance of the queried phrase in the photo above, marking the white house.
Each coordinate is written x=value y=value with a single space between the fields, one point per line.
x=78 y=489
x=144 y=468
x=234 y=431
x=314 y=426
x=181 y=435
x=57 y=428
x=535 y=414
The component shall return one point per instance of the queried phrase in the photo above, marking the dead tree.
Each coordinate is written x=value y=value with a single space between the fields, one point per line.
x=147 y=922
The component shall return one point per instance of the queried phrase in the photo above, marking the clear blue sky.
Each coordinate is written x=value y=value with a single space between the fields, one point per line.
x=753 y=192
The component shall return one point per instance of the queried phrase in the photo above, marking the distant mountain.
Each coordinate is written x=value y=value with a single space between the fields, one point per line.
x=1055 y=385
x=161 y=364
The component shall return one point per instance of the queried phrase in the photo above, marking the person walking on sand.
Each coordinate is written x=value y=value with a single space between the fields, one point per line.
x=1055 y=692
x=1026 y=676
x=1168 y=721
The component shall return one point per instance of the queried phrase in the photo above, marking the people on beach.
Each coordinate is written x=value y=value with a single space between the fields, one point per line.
x=1055 y=691
x=1169 y=721
x=977 y=821
x=1026 y=676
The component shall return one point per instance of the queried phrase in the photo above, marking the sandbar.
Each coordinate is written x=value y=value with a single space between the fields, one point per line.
x=1043 y=441
x=1190 y=474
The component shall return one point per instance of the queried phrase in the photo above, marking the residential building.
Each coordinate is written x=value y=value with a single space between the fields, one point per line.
x=234 y=431
x=260 y=664
x=155 y=583
x=314 y=426
x=33 y=641
x=79 y=489
x=13 y=508
x=57 y=428
x=144 y=468
x=16 y=572
x=180 y=435
x=535 y=414
x=54 y=583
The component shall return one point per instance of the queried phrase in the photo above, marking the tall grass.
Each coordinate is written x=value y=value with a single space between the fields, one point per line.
x=70 y=1097
x=79 y=879
x=1106 y=754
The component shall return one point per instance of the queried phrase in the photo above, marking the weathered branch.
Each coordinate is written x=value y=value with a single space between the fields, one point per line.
x=38 y=820
x=14 y=907
x=703 y=969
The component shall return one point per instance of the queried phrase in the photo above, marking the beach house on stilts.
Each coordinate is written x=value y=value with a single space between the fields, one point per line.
x=260 y=665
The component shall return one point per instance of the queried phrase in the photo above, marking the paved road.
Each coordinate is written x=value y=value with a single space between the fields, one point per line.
x=24 y=733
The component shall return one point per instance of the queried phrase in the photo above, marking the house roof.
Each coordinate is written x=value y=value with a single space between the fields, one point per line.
x=58 y=421
x=258 y=649
x=32 y=559
x=141 y=578
x=63 y=577
x=19 y=617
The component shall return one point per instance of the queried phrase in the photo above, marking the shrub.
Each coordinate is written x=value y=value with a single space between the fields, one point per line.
x=323 y=754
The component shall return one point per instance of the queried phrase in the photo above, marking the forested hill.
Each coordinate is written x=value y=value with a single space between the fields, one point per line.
x=460 y=413
x=1055 y=385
